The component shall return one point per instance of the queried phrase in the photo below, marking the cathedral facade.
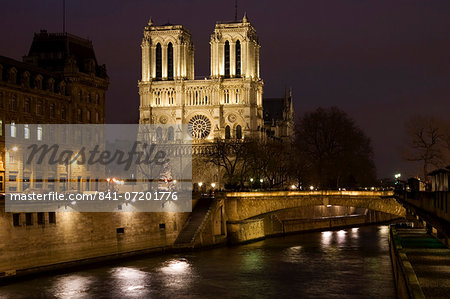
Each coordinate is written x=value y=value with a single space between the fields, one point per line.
x=227 y=105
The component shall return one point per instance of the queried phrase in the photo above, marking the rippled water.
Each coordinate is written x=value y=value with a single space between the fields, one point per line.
x=333 y=264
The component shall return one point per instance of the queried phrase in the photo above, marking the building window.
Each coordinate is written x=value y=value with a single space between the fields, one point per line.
x=238 y=59
x=27 y=106
x=16 y=219
x=159 y=133
x=170 y=134
x=88 y=115
x=63 y=113
x=169 y=61
x=13 y=129
x=40 y=218
x=238 y=132
x=52 y=217
x=80 y=95
x=227 y=59
x=97 y=117
x=227 y=96
x=227 y=132
x=1 y=130
x=29 y=219
x=89 y=97
x=39 y=108
x=26 y=131
x=158 y=62
x=1 y=100
x=39 y=133
x=52 y=110
x=80 y=115
x=13 y=102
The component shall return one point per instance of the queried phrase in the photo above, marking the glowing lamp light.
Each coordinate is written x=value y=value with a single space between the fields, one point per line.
x=108 y=179
x=174 y=181
x=261 y=180
x=251 y=179
x=397 y=175
x=15 y=148
x=200 y=184
x=311 y=188
x=293 y=187
x=213 y=185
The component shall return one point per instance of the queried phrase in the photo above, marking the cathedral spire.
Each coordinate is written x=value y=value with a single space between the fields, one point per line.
x=245 y=19
x=150 y=22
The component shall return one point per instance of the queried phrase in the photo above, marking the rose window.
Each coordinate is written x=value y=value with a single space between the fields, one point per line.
x=199 y=126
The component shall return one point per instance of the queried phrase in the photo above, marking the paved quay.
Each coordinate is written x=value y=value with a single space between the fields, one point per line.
x=424 y=257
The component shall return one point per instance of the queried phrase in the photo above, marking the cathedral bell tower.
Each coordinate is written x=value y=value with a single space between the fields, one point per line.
x=235 y=50
x=167 y=53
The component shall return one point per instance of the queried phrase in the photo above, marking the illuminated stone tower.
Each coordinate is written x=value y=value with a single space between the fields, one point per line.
x=226 y=105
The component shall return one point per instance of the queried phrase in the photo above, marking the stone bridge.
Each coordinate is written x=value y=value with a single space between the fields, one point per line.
x=243 y=205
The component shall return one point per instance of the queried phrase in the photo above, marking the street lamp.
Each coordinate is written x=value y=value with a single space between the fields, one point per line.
x=200 y=184
x=311 y=188
x=397 y=175
x=261 y=180
x=293 y=187
x=251 y=180
x=15 y=148
x=213 y=185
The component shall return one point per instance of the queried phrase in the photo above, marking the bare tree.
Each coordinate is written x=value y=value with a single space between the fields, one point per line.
x=232 y=156
x=426 y=142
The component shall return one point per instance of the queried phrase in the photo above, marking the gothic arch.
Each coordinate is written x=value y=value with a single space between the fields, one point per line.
x=158 y=61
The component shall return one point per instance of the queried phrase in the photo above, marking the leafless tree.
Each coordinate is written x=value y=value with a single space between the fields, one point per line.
x=427 y=138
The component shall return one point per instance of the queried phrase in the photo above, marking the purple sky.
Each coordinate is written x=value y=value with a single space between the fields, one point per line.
x=381 y=60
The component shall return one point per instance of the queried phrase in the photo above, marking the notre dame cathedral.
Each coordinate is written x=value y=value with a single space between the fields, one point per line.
x=227 y=105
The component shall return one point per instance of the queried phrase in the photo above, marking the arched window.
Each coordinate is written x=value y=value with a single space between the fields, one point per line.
x=159 y=133
x=227 y=59
x=238 y=59
x=169 y=61
x=158 y=62
x=227 y=132
x=170 y=135
x=238 y=132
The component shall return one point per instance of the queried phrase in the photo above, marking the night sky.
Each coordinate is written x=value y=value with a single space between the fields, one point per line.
x=381 y=61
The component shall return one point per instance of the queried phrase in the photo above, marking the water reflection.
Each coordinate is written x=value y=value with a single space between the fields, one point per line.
x=350 y=263
x=176 y=274
x=71 y=286
x=130 y=281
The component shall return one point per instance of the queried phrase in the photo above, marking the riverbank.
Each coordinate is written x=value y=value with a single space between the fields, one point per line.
x=420 y=262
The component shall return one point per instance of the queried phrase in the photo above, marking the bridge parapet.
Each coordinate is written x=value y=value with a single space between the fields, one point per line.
x=244 y=205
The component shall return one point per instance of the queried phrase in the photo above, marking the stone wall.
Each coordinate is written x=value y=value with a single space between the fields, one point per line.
x=35 y=244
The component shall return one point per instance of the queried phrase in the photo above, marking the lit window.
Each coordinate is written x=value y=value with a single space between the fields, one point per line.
x=13 y=129
x=26 y=131
x=39 y=133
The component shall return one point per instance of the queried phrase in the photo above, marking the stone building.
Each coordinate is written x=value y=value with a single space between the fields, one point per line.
x=58 y=82
x=228 y=104
x=279 y=117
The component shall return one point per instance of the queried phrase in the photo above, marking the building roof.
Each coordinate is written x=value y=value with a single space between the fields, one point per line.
x=52 y=51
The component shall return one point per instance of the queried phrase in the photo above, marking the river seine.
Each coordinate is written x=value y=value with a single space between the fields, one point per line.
x=349 y=263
